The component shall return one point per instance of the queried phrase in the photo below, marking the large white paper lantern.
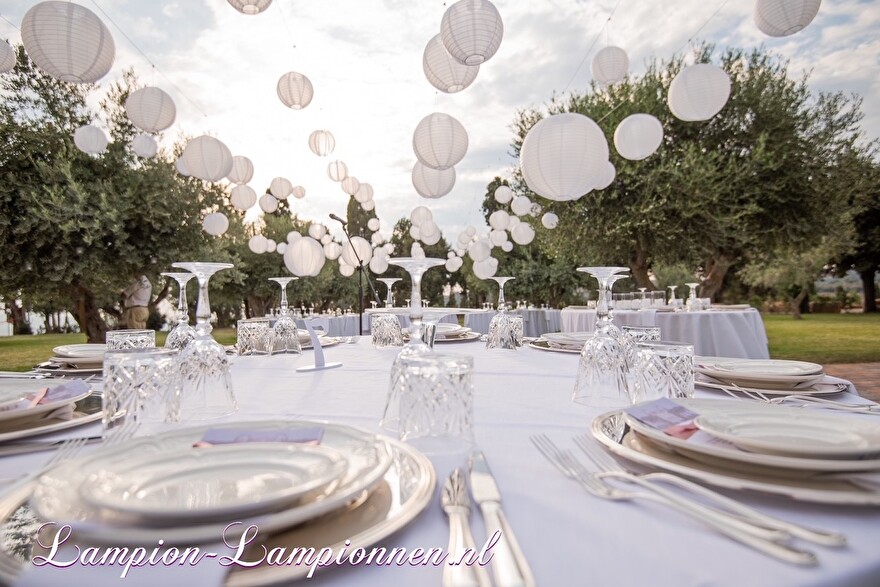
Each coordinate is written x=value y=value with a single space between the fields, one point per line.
x=216 y=223
x=90 y=139
x=322 y=143
x=429 y=229
x=440 y=141
x=550 y=220
x=521 y=205
x=257 y=244
x=379 y=265
x=606 y=176
x=317 y=231
x=150 y=109
x=373 y=224
x=295 y=90
x=180 y=164
x=293 y=236
x=207 y=158
x=443 y=71
x=350 y=185
x=363 y=248
x=498 y=237
x=420 y=215
x=503 y=194
x=250 y=7
x=243 y=197
x=7 y=57
x=562 y=155
x=698 y=92
x=471 y=31
x=781 y=18
x=242 y=170
x=280 y=187
x=610 y=65
x=486 y=268
x=144 y=146
x=522 y=233
x=337 y=170
x=480 y=250
x=499 y=219
x=332 y=250
x=298 y=192
x=432 y=183
x=638 y=136
x=364 y=193
x=67 y=41
x=368 y=206
x=268 y=203
x=305 y=257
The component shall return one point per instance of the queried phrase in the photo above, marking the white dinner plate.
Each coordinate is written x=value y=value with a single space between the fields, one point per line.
x=85 y=411
x=222 y=481
x=466 y=337
x=609 y=429
x=19 y=388
x=56 y=495
x=568 y=338
x=447 y=329
x=78 y=351
x=755 y=379
x=815 y=389
x=544 y=345
x=753 y=367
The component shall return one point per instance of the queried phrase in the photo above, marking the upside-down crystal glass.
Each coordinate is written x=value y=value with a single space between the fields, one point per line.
x=389 y=281
x=140 y=385
x=693 y=302
x=663 y=369
x=501 y=281
x=285 y=335
x=182 y=333
x=130 y=338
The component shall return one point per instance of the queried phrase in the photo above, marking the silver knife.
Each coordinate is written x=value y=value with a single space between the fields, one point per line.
x=457 y=506
x=508 y=563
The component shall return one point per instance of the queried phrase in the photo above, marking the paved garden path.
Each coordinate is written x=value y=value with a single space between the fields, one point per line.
x=865 y=376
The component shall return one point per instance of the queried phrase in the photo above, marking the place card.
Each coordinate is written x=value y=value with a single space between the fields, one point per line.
x=46 y=395
x=667 y=416
x=217 y=436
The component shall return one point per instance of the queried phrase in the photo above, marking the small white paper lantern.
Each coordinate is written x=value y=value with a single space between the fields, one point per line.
x=280 y=187
x=322 y=143
x=429 y=229
x=363 y=248
x=298 y=192
x=242 y=197
x=350 y=185
x=486 y=268
x=562 y=156
x=242 y=170
x=332 y=250
x=364 y=193
x=440 y=141
x=781 y=18
x=521 y=206
x=464 y=239
x=346 y=270
x=268 y=203
x=638 y=136
x=698 y=92
x=514 y=220
x=606 y=176
x=415 y=232
x=280 y=248
x=368 y=206
x=376 y=239
x=68 y=41
x=550 y=220
x=295 y=90
x=431 y=239
x=144 y=146
x=499 y=219
x=379 y=265
x=420 y=215
x=498 y=237
x=7 y=57
x=373 y=224
x=207 y=158
x=317 y=231
x=470 y=230
x=150 y=109
x=216 y=223
x=305 y=257
x=471 y=31
x=503 y=194
x=326 y=239
x=522 y=233
x=90 y=139
x=250 y=7
x=271 y=246
x=180 y=164
x=257 y=244
x=610 y=65
x=293 y=236
x=480 y=250
x=337 y=170
x=432 y=183
x=507 y=246
x=443 y=71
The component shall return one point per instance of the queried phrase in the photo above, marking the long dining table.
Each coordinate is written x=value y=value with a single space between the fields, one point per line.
x=568 y=536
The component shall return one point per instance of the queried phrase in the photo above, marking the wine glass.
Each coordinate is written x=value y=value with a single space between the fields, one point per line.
x=206 y=387
x=693 y=303
x=182 y=333
x=285 y=337
x=389 y=281
x=644 y=303
x=502 y=304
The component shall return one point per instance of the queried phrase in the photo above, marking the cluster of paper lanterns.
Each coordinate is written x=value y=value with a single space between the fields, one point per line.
x=781 y=18
x=250 y=7
x=362 y=192
x=423 y=227
x=439 y=142
x=295 y=90
x=215 y=223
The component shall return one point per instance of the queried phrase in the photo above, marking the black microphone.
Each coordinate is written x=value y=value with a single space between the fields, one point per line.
x=338 y=219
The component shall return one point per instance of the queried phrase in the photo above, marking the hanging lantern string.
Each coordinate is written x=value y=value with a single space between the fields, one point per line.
x=702 y=26
x=284 y=20
x=150 y=61
x=10 y=22
x=593 y=44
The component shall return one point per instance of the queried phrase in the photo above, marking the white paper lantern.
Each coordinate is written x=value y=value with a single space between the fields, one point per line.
x=364 y=193
x=363 y=248
x=322 y=143
x=373 y=224
x=67 y=41
x=144 y=146
x=295 y=90
x=280 y=248
x=432 y=183
x=606 y=176
x=781 y=18
x=326 y=239
x=350 y=185
x=376 y=239
x=346 y=270
x=550 y=220
x=271 y=246
x=522 y=233
x=216 y=223
x=464 y=239
x=305 y=257
x=416 y=251
x=420 y=215
x=389 y=248
x=180 y=164
x=471 y=31
x=486 y=268
x=242 y=170
x=293 y=236
x=316 y=231
x=150 y=109
x=280 y=187
x=499 y=219
x=268 y=203
x=415 y=232
x=368 y=206
x=470 y=230
x=480 y=250
x=450 y=265
x=638 y=136
x=242 y=197
x=507 y=246
x=250 y=7
x=514 y=220
x=610 y=65
x=207 y=158
x=498 y=237
x=562 y=155
x=90 y=139
x=521 y=206
x=332 y=250
x=698 y=92
x=503 y=194
x=298 y=192
x=7 y=57
x=429 y=229
x=257 y=244
x=443 y=71
x=337 y=170
x=440 y=141
x=379 y=265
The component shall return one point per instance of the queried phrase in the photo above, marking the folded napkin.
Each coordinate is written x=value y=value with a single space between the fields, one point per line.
x=47 y=395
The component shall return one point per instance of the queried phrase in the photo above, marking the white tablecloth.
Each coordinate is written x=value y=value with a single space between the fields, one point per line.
x=713 y=333
x=536 y=321
x=569 y=537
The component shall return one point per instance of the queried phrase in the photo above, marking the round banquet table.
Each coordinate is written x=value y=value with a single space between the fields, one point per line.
x=568 y=536
x=536 y=321
x=714 y=333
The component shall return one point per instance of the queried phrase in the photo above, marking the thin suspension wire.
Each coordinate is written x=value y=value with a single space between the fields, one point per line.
x=702 y=26
x=593 y=44
x=10 y=22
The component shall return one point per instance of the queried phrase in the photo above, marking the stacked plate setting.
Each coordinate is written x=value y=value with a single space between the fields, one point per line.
x=445 y=332
x=66 y=404
x=766 y=376
x=562 y=342
x=75 y=359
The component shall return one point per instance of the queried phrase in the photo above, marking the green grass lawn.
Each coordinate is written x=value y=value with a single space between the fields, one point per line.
x=821 y=338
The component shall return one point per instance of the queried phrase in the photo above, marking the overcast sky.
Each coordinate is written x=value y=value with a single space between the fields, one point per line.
x=364 y=58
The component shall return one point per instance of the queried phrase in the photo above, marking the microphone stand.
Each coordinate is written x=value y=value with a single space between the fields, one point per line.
x=360 y=269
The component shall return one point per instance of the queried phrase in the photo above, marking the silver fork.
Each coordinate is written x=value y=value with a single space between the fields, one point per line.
x=614 y=469
x=596 y=486
x=803 y=401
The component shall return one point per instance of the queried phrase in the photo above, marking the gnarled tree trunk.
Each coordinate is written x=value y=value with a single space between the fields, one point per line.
x=90 y=321
x=20 y=324
x=716 y=270
x=638 y=264
x=869 y=289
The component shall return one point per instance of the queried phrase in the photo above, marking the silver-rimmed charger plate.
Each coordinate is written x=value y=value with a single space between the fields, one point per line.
x=10 y=388
x=815 y=389
x=87 y=410
x=80 y=350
